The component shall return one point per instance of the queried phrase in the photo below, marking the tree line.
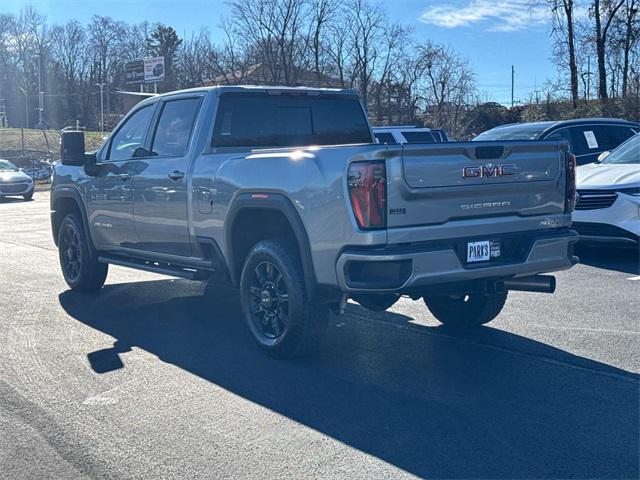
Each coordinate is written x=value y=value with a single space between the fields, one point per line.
x=338 y=43
x=596 y=47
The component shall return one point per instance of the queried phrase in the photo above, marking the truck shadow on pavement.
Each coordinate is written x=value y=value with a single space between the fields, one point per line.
x=625 y=260
x=484 y=404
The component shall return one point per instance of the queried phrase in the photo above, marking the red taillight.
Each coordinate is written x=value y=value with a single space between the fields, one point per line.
x=367 y=183
x=570 y=199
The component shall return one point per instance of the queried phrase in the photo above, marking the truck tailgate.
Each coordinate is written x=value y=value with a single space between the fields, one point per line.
x=434 y=184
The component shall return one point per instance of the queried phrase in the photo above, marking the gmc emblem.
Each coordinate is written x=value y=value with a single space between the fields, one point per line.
x=489 y=170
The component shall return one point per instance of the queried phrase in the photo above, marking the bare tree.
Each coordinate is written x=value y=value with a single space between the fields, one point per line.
x=69 y=54
x=322 y=13
x=628 y=27
x=563 y=29
x=366 y=29
x=105 y=35
x=604 y=12
x=390 y=54
x=446 y=86
x=274 y=29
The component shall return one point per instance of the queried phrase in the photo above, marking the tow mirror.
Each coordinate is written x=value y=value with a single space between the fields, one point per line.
x=72 y=148
x=603 y=155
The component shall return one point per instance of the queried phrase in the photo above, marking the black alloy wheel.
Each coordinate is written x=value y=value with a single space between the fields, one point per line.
x=80 y=267
x=269 y=300
x=70 y=252
x=275 y=303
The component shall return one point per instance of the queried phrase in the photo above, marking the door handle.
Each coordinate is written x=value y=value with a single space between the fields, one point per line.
x=124 y=176
x=176 y=175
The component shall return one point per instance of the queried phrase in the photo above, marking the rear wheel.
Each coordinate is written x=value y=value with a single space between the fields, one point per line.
x=80 y=269
x=275 y=304
x=466 y=310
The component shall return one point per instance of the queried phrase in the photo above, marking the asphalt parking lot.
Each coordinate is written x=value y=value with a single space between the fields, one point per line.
x=157 y=377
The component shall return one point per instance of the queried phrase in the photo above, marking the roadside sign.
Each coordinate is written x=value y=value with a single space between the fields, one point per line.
x=134 y=71
x=153 y=69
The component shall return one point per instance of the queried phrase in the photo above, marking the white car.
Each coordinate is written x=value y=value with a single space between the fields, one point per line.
x=608 y=209
x=406 y=134
x=13 y=182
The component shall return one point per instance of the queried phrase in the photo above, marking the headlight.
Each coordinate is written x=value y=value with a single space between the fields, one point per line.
x=630 y=191
x=29 y=180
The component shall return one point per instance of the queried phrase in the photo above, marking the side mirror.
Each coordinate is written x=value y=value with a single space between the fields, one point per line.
x=72 y=148
x=603 y=155
x=141 y=152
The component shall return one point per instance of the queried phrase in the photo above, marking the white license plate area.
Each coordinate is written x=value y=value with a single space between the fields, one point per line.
x=482 y=251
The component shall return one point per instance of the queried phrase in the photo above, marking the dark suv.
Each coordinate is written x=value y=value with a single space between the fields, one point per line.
x=588 y=137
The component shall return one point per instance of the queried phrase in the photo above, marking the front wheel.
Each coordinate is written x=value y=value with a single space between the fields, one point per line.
x=27 y=196
x=466 y=310
x=80 y=269
x=274 y=301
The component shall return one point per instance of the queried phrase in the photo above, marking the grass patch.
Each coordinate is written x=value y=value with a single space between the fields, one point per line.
x=42 y=140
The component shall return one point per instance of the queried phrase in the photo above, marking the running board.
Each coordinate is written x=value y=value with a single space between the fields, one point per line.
x=155 y=267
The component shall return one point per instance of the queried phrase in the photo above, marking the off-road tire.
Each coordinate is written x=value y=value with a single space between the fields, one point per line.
x=469 y=310
x=88 y=275
x=303 y=325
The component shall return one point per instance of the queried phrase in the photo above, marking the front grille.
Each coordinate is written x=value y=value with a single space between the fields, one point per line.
x=595 y=199
x=12 y=187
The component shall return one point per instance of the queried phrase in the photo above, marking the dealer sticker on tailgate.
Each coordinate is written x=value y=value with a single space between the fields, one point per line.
x=481 y=251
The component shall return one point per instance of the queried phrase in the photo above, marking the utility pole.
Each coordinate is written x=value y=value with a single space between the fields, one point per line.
x=101 y=85
x=26 y=107
x=513 y=81
x=40 y=92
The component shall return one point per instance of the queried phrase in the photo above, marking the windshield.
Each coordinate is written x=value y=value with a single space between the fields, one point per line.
x=6 y=165
x=628 y=152
x=515 y=132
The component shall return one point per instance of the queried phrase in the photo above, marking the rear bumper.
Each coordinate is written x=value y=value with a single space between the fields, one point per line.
x=410 y=268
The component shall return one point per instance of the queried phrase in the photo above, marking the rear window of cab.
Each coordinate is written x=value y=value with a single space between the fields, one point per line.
x=264 y=120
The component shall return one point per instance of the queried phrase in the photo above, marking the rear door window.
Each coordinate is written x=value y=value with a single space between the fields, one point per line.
x=561 y=134
x=585 y=141
x=610 y=136
x=131 y=135
x=598 y=138
x=437 y=136
x=385 y=137
x=174 y=127
x=418 y=137
x=264 y=120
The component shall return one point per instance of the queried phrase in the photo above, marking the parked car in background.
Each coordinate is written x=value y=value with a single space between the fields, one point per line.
x=40 y=174
x=440 y=134
x=13 y=182
x=587 y=137
x=38 y=170
x=608 y=209
x=407 y=134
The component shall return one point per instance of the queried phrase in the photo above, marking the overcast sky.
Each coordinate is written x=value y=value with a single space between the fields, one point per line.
x=492 y=34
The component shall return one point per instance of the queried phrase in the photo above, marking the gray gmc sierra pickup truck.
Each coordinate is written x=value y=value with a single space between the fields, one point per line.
x=284 y=193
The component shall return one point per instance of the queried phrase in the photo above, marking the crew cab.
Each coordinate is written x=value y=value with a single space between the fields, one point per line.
x=284 y=193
